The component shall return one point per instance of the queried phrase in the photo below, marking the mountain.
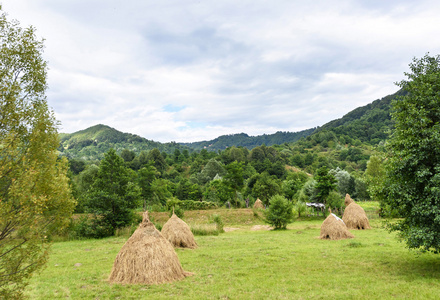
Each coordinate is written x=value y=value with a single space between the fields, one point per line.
x=93 y=142
x=370 y=123
x=250 y=142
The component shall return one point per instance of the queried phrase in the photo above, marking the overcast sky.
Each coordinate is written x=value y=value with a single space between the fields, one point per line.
x=189 y=71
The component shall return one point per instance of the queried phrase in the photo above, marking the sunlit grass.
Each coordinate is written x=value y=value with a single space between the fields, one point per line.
x=244 y=264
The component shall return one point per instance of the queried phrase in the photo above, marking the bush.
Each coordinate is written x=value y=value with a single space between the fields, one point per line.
x=279 y=213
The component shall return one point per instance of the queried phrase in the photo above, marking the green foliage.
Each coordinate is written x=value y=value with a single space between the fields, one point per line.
x=112 y=197
x=217 y=220
x=265 y=187
x=250 y=142
x=325 y=183
x=414 y=156
x=279 y=213
x=35 y=201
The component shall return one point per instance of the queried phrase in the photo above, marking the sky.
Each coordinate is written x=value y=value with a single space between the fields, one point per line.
x=189 y=71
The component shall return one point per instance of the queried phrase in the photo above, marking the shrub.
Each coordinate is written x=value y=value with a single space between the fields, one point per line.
x=279 y=213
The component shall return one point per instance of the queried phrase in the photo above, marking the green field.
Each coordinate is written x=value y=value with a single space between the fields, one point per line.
x=247 y=264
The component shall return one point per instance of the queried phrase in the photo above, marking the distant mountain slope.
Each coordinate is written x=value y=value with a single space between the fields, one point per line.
x=93 y=142
x=370 y=123
x=250 y=142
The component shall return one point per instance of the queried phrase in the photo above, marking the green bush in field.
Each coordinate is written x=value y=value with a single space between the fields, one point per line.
x=279 y=213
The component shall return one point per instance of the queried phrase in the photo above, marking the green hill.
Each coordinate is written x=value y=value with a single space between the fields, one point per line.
x=369 y=124
x=249 y=142
x=93 y=142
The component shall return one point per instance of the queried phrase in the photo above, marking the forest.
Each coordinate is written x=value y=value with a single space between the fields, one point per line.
x=321 y=166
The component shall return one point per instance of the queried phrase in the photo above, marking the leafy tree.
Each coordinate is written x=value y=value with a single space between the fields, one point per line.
x=35 y=199
x=265 y=187
x=146 y=176
x=279 y=213
x=113 y=196
x=325 y=183
x=375 y=178
x=218 y=191
x=211 y=169
x=157 y=159
x=414 y=156
x=234 y=177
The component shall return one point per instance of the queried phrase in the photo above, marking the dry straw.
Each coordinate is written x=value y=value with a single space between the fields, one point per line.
x=333 y=228
x=147 y=258
x=348 y=200
x=258 y=204
x=178 y=233
x=355 y=217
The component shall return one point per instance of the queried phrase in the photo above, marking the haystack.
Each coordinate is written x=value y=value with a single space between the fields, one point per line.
x=147 y=258
x=333 y=228
x=355 y=217
x=348 y=200
x=178 y=233
x=258 y=204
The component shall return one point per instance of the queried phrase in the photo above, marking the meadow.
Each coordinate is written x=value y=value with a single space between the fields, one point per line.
x=248 y=264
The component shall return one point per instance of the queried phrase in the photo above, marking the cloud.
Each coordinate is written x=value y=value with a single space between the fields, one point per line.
x=194 y=70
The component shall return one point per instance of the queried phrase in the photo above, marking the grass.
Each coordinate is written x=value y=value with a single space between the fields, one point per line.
x=244 y=264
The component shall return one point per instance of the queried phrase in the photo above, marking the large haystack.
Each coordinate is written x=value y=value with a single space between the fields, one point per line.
x=348 y=200
x=146 y=258
x=355 y=217
x=178 y=233
x=258 y=204
x=333 y=228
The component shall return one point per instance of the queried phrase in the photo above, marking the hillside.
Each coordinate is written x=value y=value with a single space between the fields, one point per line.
x=249 y=142
x=369 y=124
x=93 y=142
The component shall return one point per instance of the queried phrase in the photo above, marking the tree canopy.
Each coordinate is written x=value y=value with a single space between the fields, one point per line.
x=35 y=198
x=414 y=156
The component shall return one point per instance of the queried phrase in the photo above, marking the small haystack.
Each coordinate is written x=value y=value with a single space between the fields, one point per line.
x=258 y=204
x=147 y=258
x=333 y=228
x=348 y=200
x=355 y=217
x=178 y=233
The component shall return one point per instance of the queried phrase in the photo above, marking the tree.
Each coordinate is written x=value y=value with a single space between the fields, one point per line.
x=413 y=171
x=146 y=176
x=35 y=198
x=325 y=183
x=279 y=213
x=234 y=177
x=265 y=187
x=113 y=195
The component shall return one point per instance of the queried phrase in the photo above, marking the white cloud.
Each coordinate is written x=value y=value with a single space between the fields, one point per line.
x=194 y=70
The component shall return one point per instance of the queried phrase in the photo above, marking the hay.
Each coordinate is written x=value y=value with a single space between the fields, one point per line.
x=178 y=233
x=355 y=217
x=147 y=258
x=333 y=228
x=348 y=200
x=258 y=204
